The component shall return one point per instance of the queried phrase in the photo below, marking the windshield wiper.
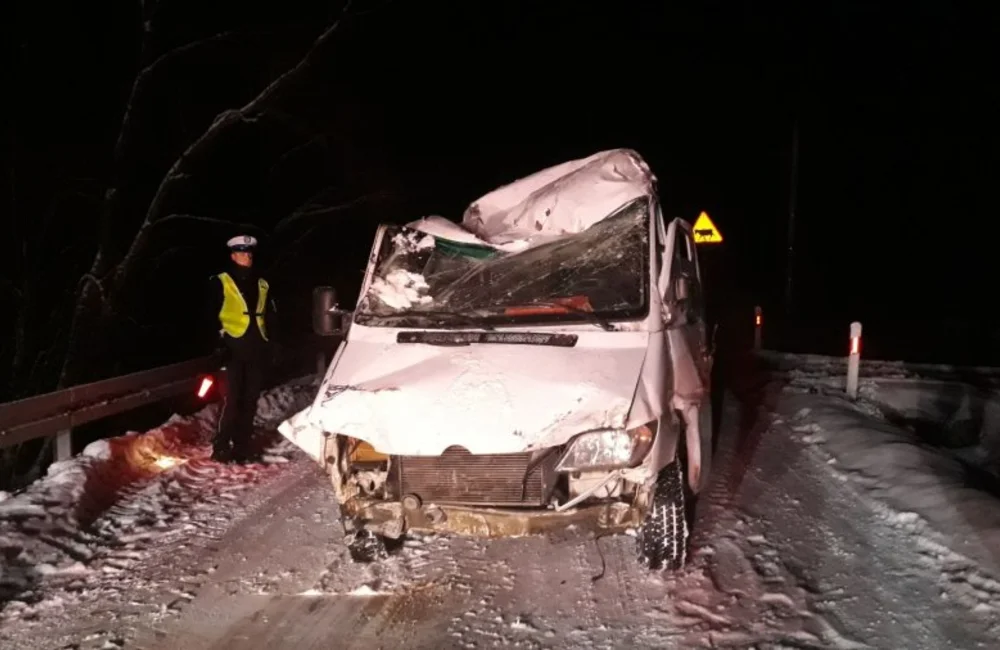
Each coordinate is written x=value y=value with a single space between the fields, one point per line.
x=591 y=316
x=473 y=321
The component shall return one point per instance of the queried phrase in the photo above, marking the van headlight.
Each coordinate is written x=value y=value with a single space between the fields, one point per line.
x=608 y=449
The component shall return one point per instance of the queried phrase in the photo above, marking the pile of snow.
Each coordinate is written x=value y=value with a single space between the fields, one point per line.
x=412 y=243
x=955 y=415
x=925 y=487
x=79 y=521
x=952 y=407
x=401 y=289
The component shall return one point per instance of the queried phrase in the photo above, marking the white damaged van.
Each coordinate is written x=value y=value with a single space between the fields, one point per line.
x=543 y=363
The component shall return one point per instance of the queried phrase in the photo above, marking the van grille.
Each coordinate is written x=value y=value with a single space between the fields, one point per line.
x=460 y=477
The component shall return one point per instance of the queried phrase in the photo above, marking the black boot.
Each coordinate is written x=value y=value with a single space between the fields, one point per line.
x=243 y=455
x=221 y=453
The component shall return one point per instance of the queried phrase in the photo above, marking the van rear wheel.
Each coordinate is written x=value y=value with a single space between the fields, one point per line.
x=663 y=536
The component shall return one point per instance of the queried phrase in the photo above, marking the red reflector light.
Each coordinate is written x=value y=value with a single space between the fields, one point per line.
x=206 y=385
x=855 y=345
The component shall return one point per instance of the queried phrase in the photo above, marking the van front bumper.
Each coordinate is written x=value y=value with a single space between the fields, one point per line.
x=391 y=519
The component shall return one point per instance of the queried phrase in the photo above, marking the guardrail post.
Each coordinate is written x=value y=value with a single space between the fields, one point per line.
x=64 y=445
x=854 y=360
x=757 y=325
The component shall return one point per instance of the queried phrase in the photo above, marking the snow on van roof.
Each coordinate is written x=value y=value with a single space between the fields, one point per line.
x=561 y=200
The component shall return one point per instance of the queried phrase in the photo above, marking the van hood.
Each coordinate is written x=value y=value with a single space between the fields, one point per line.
x=419 y=399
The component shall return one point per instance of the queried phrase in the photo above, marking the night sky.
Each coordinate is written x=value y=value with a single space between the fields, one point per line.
x=414 y=108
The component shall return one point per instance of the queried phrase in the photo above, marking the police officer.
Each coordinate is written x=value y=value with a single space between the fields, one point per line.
x=245 y=313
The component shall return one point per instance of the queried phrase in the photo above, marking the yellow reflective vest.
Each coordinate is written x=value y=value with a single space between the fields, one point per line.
x=234 y=315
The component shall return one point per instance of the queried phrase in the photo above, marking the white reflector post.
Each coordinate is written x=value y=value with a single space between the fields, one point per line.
x=206 y=385
x=854 y=360
x=758 y=322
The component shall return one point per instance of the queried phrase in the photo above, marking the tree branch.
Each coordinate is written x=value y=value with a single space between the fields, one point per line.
x=302 y=214
x=373 y=10
x=290 y=248
x=208 y=220
x=88 y=278
x=146 y=74
x=292 y=151
x=222 y=121
x=292 y=122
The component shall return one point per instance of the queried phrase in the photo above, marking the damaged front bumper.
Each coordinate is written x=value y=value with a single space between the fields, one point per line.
x=500 y=495
x=392 y=519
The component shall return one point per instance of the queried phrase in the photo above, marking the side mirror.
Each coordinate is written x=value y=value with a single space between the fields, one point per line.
x=328 y=318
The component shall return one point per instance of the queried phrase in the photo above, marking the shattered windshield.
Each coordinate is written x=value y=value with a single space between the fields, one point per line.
x=598 y=275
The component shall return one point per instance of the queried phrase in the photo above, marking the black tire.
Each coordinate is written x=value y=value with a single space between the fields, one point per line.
x=365 y=546
x=663 y=536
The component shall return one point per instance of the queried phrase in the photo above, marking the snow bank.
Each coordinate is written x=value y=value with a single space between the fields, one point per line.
x=955 y=415
x=927 y=488
x=952 y=407
x=58 y=529
x=833 y=370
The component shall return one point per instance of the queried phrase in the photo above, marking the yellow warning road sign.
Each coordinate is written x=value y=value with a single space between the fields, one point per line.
x=705 y=231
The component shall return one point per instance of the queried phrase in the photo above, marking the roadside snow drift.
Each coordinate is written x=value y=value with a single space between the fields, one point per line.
x=85 y=515
x=929 y=486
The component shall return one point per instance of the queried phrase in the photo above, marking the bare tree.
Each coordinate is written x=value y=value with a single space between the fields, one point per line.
x=74 y=344
x=99 y=290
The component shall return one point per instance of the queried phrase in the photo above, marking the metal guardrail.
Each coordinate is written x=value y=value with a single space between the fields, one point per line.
x=59 y=412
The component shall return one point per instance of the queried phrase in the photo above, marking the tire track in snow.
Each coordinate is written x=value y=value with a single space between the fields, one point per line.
x=737 y=590
x=886 y=586
x=962 y=580
x=275 y=549
x=157 y=547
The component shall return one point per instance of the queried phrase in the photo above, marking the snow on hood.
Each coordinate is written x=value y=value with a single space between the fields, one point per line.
x=415 y=399
x=564 y=199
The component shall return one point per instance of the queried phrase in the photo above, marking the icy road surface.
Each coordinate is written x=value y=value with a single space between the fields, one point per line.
x=800 y=543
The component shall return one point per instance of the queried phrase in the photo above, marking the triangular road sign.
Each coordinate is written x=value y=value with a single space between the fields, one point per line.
x=705 y=231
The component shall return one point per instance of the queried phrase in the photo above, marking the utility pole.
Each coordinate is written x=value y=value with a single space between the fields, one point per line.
x=792 y=191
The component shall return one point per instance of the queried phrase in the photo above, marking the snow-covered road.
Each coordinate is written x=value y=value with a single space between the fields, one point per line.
x=823 y=528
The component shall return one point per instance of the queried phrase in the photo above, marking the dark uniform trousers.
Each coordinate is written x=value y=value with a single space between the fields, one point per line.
x=244 y=376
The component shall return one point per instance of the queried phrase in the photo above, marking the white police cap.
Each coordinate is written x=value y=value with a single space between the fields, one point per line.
x=242 y=243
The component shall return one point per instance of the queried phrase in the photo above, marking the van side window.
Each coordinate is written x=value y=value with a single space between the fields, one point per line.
x=682 y=257
x=682 y=248
x=684 y=266
x=661 y=241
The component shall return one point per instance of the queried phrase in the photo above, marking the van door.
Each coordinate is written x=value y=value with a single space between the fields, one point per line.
x=688 y=299
x=684 y=316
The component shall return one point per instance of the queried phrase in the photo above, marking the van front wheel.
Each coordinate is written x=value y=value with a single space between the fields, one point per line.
x=663 y=535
